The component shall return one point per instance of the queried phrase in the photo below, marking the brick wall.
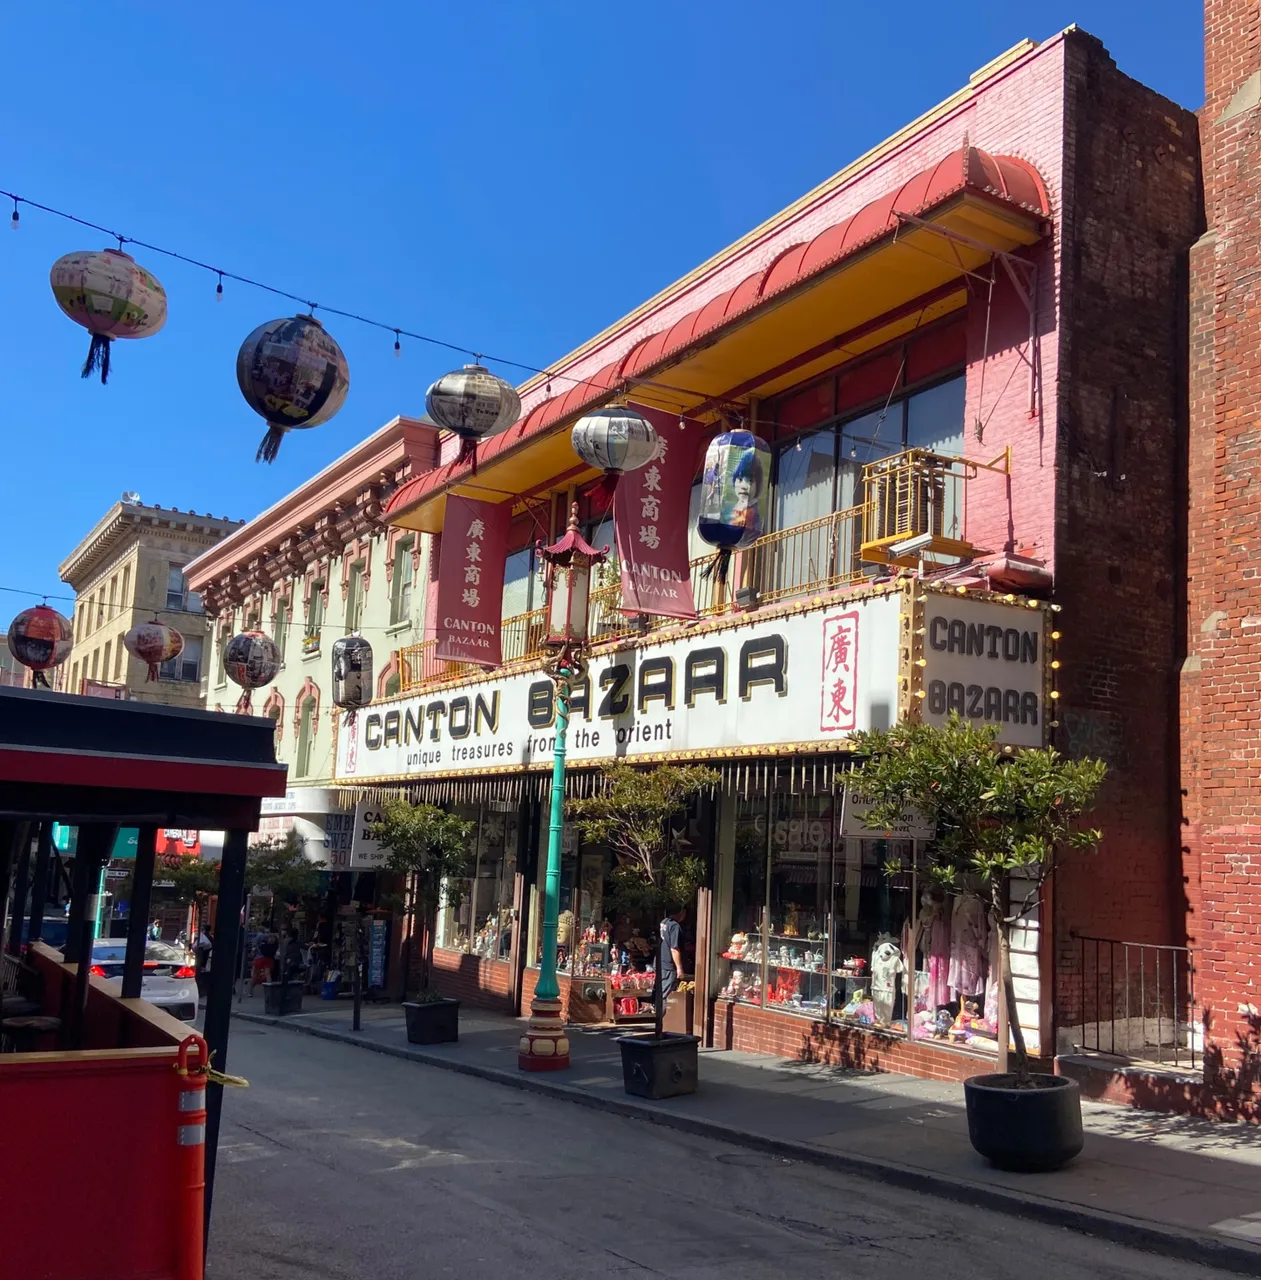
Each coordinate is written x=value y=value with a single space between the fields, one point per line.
x=1131 y=210
x=1220 y=712
x=754 y=1030
x=483 y=983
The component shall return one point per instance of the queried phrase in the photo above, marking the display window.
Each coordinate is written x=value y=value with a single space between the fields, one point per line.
x=476 y=916
x=851 y=931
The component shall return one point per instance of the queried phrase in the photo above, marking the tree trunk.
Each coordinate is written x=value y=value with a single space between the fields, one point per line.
x=1009 y=996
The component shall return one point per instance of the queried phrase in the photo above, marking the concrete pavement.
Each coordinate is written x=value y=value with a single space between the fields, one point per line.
x=1184 y=1187
x=337 y=1163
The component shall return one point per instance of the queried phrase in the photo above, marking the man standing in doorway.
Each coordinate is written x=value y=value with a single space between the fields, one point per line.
x=671 y=960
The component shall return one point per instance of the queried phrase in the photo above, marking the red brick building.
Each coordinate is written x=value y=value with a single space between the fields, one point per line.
x=1221 y=715
x=1002 y=286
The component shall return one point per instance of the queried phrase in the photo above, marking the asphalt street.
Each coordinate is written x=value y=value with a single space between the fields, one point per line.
x=338 y=1162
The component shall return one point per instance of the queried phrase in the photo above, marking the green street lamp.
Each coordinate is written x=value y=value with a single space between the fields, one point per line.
x=567 y=584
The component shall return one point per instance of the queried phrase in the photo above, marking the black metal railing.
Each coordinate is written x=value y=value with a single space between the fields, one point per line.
x=1138 y=1002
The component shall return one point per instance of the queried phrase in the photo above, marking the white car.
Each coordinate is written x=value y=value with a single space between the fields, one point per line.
x=170 y=978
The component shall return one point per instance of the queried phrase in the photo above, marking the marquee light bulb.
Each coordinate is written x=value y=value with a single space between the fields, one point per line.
x=921 y=662
x=919 y=693
x=1055 y=693
x=1055 y=664
x=1055 y=635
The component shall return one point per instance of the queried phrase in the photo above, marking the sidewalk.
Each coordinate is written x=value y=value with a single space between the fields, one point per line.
x=1175 y=1185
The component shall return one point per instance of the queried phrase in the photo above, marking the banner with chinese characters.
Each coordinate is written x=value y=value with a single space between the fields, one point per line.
x=471 y=580
x=650 y=519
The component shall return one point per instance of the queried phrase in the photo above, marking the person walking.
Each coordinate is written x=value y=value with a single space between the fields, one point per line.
x=670 y=960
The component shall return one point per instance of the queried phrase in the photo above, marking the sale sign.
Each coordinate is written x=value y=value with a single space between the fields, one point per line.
x=650 y=518
x=471 y=580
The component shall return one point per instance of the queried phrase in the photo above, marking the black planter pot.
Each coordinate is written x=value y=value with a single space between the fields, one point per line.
x=282 y=997
x=659 y=1068
x=434 y=1023
x=1030 y=1130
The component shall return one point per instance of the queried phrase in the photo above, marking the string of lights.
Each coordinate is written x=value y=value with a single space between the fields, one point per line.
x=222 y=274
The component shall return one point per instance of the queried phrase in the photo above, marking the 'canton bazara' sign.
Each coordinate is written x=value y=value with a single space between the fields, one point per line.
x=985 y=661
x=756 y=685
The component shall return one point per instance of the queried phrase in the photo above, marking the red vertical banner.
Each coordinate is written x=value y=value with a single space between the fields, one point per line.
x=838 y=711
x=650 y=520
x=471 y=580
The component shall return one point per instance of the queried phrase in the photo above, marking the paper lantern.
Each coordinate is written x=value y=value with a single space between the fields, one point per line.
x=40 y=638
x=735 y=490
x=352 y=672
x=111 y=297
x=473 y=403
x=153 y=643
x=251 y=660
x=293 y=375
x=615 y=439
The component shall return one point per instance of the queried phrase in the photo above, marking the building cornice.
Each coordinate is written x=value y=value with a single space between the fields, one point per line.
x=123 y=523
x=317 y=520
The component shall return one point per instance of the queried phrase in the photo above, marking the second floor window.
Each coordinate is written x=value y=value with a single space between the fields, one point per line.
x=354 y=597
x=404 y=574
x=176 y=592
x=315 y=610
x=306 y=725
x=281 y=629
x=187 y=667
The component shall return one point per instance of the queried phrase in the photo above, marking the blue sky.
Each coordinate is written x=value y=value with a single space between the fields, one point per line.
x=510 y=176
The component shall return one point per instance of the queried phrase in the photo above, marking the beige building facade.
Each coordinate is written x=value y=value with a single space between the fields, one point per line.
x=131 y=568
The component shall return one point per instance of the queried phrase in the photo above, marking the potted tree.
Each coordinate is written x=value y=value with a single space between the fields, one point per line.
x=998 y=814
x=432 y=850
x=655 y=874
x=281 y=866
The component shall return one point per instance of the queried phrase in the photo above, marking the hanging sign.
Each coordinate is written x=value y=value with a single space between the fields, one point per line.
x=471 y=580
x=650 y=518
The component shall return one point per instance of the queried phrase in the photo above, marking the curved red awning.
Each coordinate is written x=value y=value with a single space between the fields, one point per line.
x=1006 y=180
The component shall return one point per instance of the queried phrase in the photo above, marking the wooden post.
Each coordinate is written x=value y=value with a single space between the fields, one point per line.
x=138 y=919
x=39 y=882
x=219 y=993
x=21 y=883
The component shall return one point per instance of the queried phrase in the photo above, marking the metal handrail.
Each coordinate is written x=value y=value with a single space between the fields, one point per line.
x=1138 y=1001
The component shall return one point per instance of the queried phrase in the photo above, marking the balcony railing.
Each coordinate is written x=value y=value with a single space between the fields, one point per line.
x=907 y=495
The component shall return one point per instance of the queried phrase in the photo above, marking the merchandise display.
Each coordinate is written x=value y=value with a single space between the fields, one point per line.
x=956 y=987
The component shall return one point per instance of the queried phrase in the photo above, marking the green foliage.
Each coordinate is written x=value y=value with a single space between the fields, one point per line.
x=995 y=813
x=429 y=846
x=193 y=879
x=632 y=817
x=280 y=864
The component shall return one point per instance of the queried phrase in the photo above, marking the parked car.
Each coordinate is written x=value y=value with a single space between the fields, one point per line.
x=52 y=932
x=169 y=980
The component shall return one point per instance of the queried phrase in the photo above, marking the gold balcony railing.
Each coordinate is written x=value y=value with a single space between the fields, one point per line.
x=919 y=495
x=905 y=496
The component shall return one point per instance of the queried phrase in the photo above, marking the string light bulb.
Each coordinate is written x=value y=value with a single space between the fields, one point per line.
x=962 y=590
x=1056 y=608
x=682 y=423
x=398 y=346
x=219 y=288
x=16 y=218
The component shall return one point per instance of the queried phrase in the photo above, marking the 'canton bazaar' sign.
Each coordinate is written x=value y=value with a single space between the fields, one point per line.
x=806 y=678
x=986 y=661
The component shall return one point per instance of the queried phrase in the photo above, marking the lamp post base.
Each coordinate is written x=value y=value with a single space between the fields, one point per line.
x=544 y=1047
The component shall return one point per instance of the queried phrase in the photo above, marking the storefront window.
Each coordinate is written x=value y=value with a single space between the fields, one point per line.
x=871 y=981
x=798 y=896
x=477 y=916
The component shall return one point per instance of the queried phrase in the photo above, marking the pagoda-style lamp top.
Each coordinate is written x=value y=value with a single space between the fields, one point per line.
x=567 y=581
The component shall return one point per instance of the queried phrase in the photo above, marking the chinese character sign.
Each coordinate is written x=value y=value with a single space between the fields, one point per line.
x=650 y=519
x=838 y=712
x=471 y=580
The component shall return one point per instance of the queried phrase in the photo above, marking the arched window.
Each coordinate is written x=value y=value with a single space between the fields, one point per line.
x=306 y=731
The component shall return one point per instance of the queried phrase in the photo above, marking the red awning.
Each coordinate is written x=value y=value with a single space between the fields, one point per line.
x=1009 y=188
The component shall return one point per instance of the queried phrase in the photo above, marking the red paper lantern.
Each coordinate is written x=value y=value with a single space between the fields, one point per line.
x=40 y=638
x=155 y=643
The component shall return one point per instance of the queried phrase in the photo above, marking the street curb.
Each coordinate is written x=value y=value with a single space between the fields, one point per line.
x=1132 y=1232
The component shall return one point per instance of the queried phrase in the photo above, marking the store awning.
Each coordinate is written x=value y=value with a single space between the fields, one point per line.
x=896 y=264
